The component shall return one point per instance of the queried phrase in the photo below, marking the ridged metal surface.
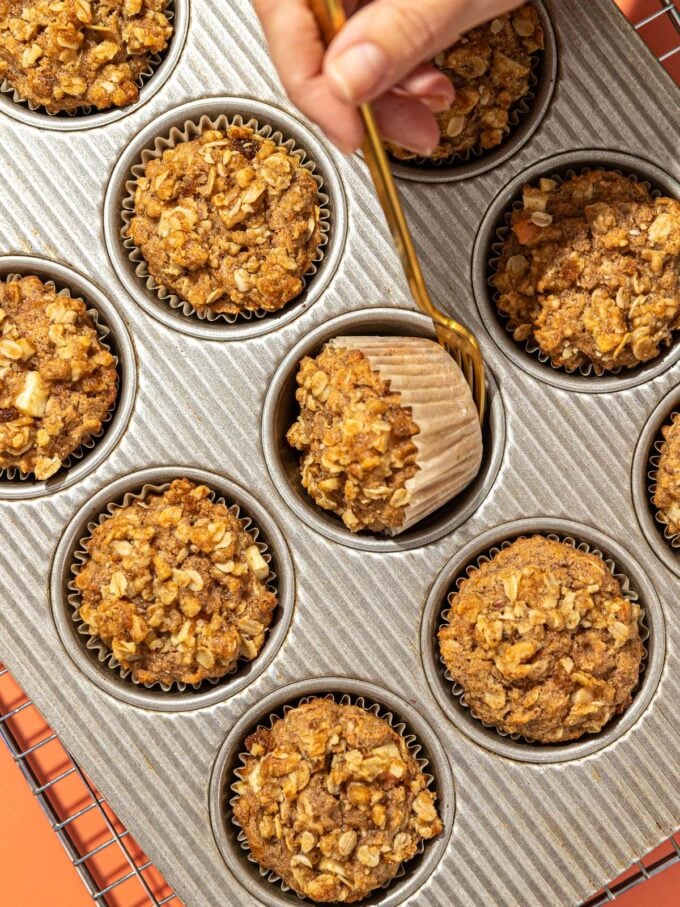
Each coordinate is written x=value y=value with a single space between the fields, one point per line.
x=523 y=834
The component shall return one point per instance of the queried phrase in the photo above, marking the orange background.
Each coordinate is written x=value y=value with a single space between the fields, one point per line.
x=35 y=871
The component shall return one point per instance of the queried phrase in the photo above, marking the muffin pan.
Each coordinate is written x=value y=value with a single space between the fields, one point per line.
x=351 y=617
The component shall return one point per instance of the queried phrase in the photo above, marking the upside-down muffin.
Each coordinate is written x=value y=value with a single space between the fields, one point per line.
x=667 y=494
x=543 y=641
x=230 y=221
x=58 y=382
x=490 y=68
x=332 y=801
x=590 y=271
x=66 y=54
x=175 y=587
x=387 y=430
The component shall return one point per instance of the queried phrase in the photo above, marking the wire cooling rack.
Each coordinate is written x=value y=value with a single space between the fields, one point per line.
x=114 y=869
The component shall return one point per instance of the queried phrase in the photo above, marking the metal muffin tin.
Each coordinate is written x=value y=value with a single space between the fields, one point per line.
x=526 y=832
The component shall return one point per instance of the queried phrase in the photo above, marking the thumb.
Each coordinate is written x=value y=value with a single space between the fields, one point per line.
x=387 y=39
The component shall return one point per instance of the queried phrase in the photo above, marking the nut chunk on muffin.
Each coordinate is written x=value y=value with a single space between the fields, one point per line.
x=229 y=221
x=332 y=801
x=66 y=54
x=667 y=494
x=590 y=271
x=58 y=383
x=387 y=428
x=175 y=587
x=490 y=69
x=543 y=641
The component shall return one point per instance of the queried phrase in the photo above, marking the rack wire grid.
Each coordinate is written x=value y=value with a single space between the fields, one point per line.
x=114 y=869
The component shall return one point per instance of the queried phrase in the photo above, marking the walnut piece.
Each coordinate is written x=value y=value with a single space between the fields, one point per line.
x=57 y=381
x=332 y=800
x=228 y=222
x=355 y=438
x=543 y=641
x=172 y=585
x=591 y=271
x=667 y=495
x=66 y=54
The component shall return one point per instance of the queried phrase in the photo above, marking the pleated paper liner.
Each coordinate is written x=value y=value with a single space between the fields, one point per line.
x=432 y=386
x=81 y=556
x=345 y=699
x=86 y=110
x=192 y=130
x=457 y=690
x=530 y=345
x=12 y=473
x=653 y=476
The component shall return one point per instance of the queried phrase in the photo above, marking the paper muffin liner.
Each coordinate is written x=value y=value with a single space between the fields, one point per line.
x=362 y=702
x=530 y=345
x=433 y=387
x=653 y=475
x=12 y=473
x=457 y=690
x=155 y=61
x=191 y=130
x=81 y=556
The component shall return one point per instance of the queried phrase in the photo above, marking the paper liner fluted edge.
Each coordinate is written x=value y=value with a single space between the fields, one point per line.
x=653 y=475
x=192 y=129
x=80 y=557
x=362 y=702
x=458 y=692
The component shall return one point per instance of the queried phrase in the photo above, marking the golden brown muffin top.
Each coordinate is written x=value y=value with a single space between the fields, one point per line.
x=355 y=438
x=667 y=495
x=58 y=382
x=490 y=68
x=175 y=587
x=332 y=801
x=228 y=222
x=543 y=642
x=591 y=271
x=68 y=54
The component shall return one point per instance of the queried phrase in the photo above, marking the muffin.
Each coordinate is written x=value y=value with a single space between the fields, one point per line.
x=387 y=429
x=590 y=271
x=58 y=383
x=667 y=493
x=332 y=801
x=175 y=587
x=490 y=69
x=70 y=54
x=229 y=221
x=543 y=641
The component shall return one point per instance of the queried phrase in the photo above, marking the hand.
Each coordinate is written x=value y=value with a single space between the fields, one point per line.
x=382 y=55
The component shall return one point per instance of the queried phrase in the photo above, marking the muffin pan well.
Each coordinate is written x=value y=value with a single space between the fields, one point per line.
x=200 y=406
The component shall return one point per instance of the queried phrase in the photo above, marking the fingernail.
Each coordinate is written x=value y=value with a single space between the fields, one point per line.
x=437 y=104
x=359 y=71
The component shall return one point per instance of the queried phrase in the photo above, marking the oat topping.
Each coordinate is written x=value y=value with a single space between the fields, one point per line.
x=490 y=68
x=58 y=383
x=228 y=222
x=332 y=801
x=591 y=271
x=667 y=495
x=543 y=641
x=355 y=438
x=67 y=54
x=175 y=587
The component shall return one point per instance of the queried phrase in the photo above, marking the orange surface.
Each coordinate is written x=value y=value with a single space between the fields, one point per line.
x=35 y=871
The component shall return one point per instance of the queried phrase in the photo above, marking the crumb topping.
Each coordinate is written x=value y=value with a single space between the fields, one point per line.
x=176 y=587
x=67 y=54
x=58 y=382
x=355 y=438
x=667 y=495
x=332 y=801
x=543 y=641
x=591 y=271
x=228 y=222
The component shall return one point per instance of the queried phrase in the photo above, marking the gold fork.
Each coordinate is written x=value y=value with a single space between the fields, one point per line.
x=453 y=336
